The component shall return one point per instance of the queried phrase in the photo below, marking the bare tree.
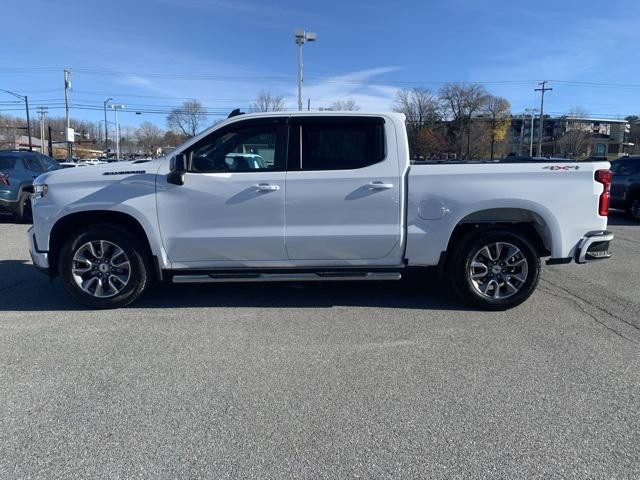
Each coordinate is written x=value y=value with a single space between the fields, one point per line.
x=348 y=105
x=267 y=102
x=419 y=105
x=461 y=102
x=498 y=110
x=150 y=137
x=421 y=110
x=577 y=132
x=187 y=119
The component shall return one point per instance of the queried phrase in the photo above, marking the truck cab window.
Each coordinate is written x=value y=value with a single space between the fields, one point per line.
x=239 y=150
x=341 y=146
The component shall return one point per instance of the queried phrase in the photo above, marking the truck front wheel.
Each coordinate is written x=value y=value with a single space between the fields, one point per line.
x=103 y=267
x=495 y=270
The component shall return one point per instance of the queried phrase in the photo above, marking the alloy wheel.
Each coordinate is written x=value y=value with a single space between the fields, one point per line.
x=498 y=270
x=101 y=268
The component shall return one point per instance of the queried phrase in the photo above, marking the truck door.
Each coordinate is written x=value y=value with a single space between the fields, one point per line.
x=342 y=190
x=230 y=210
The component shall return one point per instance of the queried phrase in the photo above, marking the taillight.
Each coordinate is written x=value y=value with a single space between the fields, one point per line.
x=4 y=178
x=604 y=177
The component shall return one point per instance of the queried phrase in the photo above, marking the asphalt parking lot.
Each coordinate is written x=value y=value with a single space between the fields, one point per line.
x=322 y=381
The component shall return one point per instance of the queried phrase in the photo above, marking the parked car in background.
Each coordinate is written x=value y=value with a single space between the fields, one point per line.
x=625 y=187
x=67 y=164
x=244 y=162
x=90 y=161
x=17 y=171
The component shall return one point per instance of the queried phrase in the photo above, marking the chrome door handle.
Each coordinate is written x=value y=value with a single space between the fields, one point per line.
x=379 y=186
x=265 y=187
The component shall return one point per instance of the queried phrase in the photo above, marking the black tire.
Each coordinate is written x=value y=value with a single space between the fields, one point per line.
x=634 y=208
x=24 y=214
x=138 y=269
x=460 y=270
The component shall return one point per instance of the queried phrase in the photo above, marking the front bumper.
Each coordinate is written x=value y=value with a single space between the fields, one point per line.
x=594 y=246
x=40 y=259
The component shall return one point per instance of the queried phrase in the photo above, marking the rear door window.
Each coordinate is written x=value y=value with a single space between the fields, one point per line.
x=7 y=161
x=32 y=163
x=345 y=144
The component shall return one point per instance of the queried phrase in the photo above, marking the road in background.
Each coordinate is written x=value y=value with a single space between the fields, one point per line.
x=323 y=381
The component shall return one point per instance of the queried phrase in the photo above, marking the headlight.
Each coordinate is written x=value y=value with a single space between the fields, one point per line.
x=40 y=191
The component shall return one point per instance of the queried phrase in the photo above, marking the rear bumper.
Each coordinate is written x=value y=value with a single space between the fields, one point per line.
x=40 y=259
x=594 y=246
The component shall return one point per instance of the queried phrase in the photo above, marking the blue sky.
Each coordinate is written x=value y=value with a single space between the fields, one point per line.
x=153 y=54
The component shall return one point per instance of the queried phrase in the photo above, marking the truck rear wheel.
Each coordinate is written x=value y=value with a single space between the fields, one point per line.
x=103 y=267
x=495 y=270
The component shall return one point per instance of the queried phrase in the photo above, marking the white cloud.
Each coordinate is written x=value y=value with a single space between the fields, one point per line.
x=353 y=85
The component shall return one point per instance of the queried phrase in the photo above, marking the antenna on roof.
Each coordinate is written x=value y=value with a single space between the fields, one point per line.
x=235 y=113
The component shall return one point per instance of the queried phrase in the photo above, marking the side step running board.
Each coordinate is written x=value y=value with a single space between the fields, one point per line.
x=285 y=277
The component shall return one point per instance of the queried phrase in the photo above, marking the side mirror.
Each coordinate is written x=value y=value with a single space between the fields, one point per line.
x=178 y=166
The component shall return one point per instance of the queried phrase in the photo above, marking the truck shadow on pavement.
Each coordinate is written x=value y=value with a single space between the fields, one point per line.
x=23 y=288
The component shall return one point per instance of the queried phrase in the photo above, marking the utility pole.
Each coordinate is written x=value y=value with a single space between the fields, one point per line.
x=106 y=128
x=301 y=38
x=541 y=131
x=42 y=111
x=67 y=86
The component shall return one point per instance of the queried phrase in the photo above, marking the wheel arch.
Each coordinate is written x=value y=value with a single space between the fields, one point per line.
x=529 y=223
x=68 y=224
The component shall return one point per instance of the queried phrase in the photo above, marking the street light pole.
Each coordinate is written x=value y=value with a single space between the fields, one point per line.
x=67 y=86
x=26 y=107
x=532 y=111
x=42 y=111
x=115 y=110
x=301 y=38
x=106 y=129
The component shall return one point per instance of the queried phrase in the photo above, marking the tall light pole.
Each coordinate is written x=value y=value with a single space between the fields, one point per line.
x=532 y=111
x=115 y=110
x=67 y=87
x=542 y=89
x=42 y=111
x=25 y=99
x=106 y=130
x=302 y=37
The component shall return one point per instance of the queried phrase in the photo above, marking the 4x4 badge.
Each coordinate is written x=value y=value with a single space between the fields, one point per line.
x=555 y=168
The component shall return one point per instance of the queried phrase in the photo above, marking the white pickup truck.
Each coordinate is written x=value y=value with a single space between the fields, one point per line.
x=314 y=197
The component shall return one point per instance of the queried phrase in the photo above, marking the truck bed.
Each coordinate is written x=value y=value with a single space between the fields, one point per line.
x=559 y=198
